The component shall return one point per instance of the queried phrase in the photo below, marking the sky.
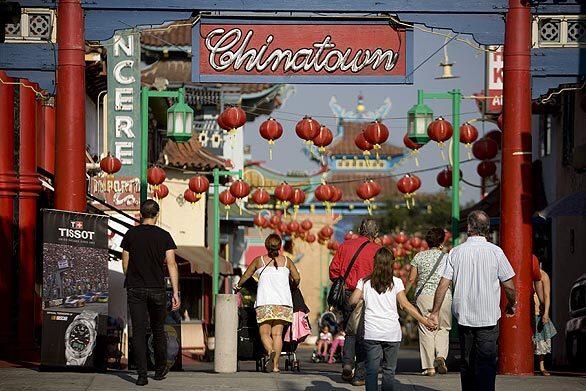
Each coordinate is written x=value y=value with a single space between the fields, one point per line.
x=314 y=100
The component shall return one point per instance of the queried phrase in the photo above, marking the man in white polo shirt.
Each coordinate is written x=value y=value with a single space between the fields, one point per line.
x=477 y=269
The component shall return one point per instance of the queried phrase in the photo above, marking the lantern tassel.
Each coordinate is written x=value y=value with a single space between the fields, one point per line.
x=441 y=146
x=270 y=153
x=296 y=209
x=415 y=154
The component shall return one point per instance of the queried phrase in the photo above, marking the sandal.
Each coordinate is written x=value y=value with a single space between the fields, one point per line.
x=544 y=372
x=428 y=372
x=268 y=367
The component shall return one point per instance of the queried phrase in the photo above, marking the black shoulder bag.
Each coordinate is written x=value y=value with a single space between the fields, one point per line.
x=336 y=296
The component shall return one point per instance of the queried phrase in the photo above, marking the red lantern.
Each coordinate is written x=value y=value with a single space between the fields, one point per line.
x=408 y=185
x=376 y=133
x=367 y=190
x=333 y=245
x=323 y=193
x=468 y=134
x=486 y=168
x=323 y=138
x=387 y=240
x=199 y=184
x=233 y=117
x=110 y=165
x=156 y=176
x=306 y=225
x=326 y=231
x=293 y=226
x=413 y=146
x=401 y=238
x=307 y=129
x=275 y=220
x=363 y=145
x=240 y=189
x=310 y=238
x=297 y=199
x=261 y=196
x=161 y=191
x=495 y=135
x=190 y=196
x=284 y=192
x=271 y=130
x=415 y=242
x=336 y=194
x=444 y=177
x=259 y=220
x=227 y=199
x=440 y=131
x=221 y=123
x=485 y=149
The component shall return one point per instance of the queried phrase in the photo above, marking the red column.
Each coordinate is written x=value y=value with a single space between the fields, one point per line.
x=70 y=186
x=516 y=350
x=8 y=189
x=46 y=137
x=29 y=189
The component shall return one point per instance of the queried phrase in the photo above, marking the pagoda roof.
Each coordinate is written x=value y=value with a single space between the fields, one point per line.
x=344 y=143
x=190 y=155
x=347 y=182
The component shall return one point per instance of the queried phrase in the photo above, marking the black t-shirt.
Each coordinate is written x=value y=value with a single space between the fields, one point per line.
x=146 y=245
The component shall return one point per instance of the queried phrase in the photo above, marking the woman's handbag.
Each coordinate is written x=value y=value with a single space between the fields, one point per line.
x=336 y=296
x=355 y=318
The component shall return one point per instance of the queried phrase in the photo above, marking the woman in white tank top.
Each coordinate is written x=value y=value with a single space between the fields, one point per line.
x=274 y=305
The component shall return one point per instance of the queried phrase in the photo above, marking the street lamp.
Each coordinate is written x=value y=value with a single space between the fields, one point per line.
x=416 y=130
x=179 y=125
x=418 y=119
x=179 y=120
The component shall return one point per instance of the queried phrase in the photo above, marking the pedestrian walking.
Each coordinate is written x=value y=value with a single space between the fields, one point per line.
x=354 y=261
x=274 y=302
x=146 y=247
x=477 y=268
x=426 y=269
x=382 y=331
x=544 y=328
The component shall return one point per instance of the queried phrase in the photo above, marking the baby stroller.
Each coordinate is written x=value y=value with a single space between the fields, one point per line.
x=327 y=319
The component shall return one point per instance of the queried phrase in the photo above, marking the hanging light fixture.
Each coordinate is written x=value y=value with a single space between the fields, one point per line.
x=418 y=119
x=179 y=119
x=446 y=64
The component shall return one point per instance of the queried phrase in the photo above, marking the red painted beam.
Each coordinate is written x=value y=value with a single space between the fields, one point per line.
x=70 y=182
x=8 y=189
x=516 y=348
x=29 y=188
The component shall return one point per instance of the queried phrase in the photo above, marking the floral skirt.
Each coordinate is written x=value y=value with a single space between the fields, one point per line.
x=270 y=312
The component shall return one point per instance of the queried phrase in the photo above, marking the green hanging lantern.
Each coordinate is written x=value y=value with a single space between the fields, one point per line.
x=179 y=119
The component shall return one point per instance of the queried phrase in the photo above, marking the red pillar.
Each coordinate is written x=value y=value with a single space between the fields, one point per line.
x=516 y=350
x=8 y=189
x=70 y=183
x=29 y=189
x=46 y=137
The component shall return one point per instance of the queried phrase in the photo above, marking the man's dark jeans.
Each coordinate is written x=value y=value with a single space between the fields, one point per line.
x=479 y=346
x=375 y=352
x=353 y=353
x=145 y=304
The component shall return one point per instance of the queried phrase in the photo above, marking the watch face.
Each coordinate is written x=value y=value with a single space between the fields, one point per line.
x=79 y=337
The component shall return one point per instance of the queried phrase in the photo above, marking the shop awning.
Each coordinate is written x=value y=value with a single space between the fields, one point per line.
x=201 y=260
x=570 y=205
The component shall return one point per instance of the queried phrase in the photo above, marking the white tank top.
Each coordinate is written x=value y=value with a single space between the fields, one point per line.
x=273 y=285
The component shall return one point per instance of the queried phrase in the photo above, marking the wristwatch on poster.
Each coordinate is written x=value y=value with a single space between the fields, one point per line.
x=80 y=338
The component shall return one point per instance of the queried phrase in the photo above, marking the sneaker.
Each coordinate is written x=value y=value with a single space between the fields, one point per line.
x=440 y=365
x=347 y=372
x=160 y=375
x=142 y=380
x=358 y=382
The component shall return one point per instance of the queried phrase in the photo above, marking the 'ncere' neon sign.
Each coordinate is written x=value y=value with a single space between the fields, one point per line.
x=294 y=51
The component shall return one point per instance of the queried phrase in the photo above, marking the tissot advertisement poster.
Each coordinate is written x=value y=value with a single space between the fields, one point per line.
x=75 y=286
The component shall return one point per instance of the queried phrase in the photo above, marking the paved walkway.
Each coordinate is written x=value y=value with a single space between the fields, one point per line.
x=312 y=377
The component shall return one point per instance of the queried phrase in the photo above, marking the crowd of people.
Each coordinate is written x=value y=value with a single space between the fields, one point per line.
x=465 y=282
x=69 y=271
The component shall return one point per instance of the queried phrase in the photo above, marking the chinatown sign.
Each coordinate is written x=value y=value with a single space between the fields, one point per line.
x=301 y=51
x=494 y=80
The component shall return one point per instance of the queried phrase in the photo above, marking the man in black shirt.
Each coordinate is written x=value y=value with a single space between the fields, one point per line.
x=146 y=247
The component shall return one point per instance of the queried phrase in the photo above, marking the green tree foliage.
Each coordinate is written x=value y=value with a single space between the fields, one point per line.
x=430 y=210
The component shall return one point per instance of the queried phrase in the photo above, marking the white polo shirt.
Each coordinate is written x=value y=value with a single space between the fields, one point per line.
x=477 y=268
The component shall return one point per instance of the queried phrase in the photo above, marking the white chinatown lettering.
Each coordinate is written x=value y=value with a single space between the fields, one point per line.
x=124 y=98
x=76 y=234
x=230 y=50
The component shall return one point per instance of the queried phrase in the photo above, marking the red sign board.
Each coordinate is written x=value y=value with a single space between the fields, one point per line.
x=494 y=80
x=123 y=192
x=301 y=51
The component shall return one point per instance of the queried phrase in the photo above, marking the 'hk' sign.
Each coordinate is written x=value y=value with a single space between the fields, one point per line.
x=301 y=51
x=494 y=80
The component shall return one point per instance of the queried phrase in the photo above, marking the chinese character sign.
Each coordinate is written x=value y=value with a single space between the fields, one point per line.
x=301 y=51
